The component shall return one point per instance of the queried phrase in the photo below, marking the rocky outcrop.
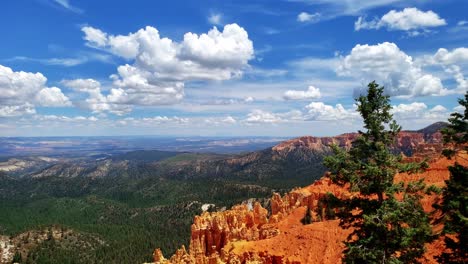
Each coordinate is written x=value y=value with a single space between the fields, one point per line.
x=241 y=235
x=408 y=142
x=319 y=144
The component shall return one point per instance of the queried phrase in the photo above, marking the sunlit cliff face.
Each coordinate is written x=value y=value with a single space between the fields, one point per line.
x=240 y=234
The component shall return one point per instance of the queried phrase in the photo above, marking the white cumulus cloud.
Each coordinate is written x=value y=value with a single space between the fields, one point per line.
x=323 y=112
x=311 y=93
x=98 y=102
x=389 y=66
x=260 y=116
x=161 y=66
x=452 y=62
x=214 y=55
x=419 y=111
x=95 y=37
x=21 y=91
x=52 y=97
x=407 y=19
x=458 y=55
x=16 y=110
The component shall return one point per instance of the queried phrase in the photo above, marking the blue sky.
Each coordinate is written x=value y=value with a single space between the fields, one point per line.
x=225 y=68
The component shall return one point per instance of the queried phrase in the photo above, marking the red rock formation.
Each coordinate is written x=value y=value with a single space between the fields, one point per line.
x=320 y=144
x=408 y=142
x=240 y=235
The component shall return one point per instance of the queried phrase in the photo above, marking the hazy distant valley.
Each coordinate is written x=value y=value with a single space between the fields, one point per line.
x=118 y=205
x=128 y=199
x=98 y=147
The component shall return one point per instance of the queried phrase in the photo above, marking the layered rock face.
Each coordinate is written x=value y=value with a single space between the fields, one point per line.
x=316 y=143
x=241 y=235
x=408 y=142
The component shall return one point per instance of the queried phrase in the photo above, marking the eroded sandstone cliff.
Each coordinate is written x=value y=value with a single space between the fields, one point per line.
x=408 y=142
x=241 y=235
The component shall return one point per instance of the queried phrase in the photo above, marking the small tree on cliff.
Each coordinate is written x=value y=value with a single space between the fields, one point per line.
x=307 y=218
x=385 y=229
x=455 y=194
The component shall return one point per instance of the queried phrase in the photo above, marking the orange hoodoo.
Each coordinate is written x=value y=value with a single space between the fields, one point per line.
x=241 y=235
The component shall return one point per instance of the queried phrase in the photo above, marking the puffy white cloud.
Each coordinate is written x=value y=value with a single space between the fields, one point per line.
x=292 y=116
x=428 y=85
x=96 y=101
x=95 y=37
x=134 y=90
x=450 y=61
x=230 y=49
x=260 y=116
x=315 y=111
x=21 y=91
x=139 y=87
x=419 y=111
x=16 y=110
x=52 y=97
x=407 y=19
x=324 y=112
x=161 y=66
x=196 y=57
x=83 y=85
x=306 y=17
x=459 y=77
x=311 y=93
x=389 y=66
x=404 y=109
x=16 y=87
x=411 y=18
x=458 y=55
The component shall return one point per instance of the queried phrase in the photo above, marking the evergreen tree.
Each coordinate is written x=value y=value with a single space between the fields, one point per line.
x=17 y=258
x=385 y=229
x=455 y=134
x=455 y=194
x=307 y=218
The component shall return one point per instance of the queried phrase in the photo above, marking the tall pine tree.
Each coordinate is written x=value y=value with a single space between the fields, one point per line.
x=455 y=194
x=388 y=221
